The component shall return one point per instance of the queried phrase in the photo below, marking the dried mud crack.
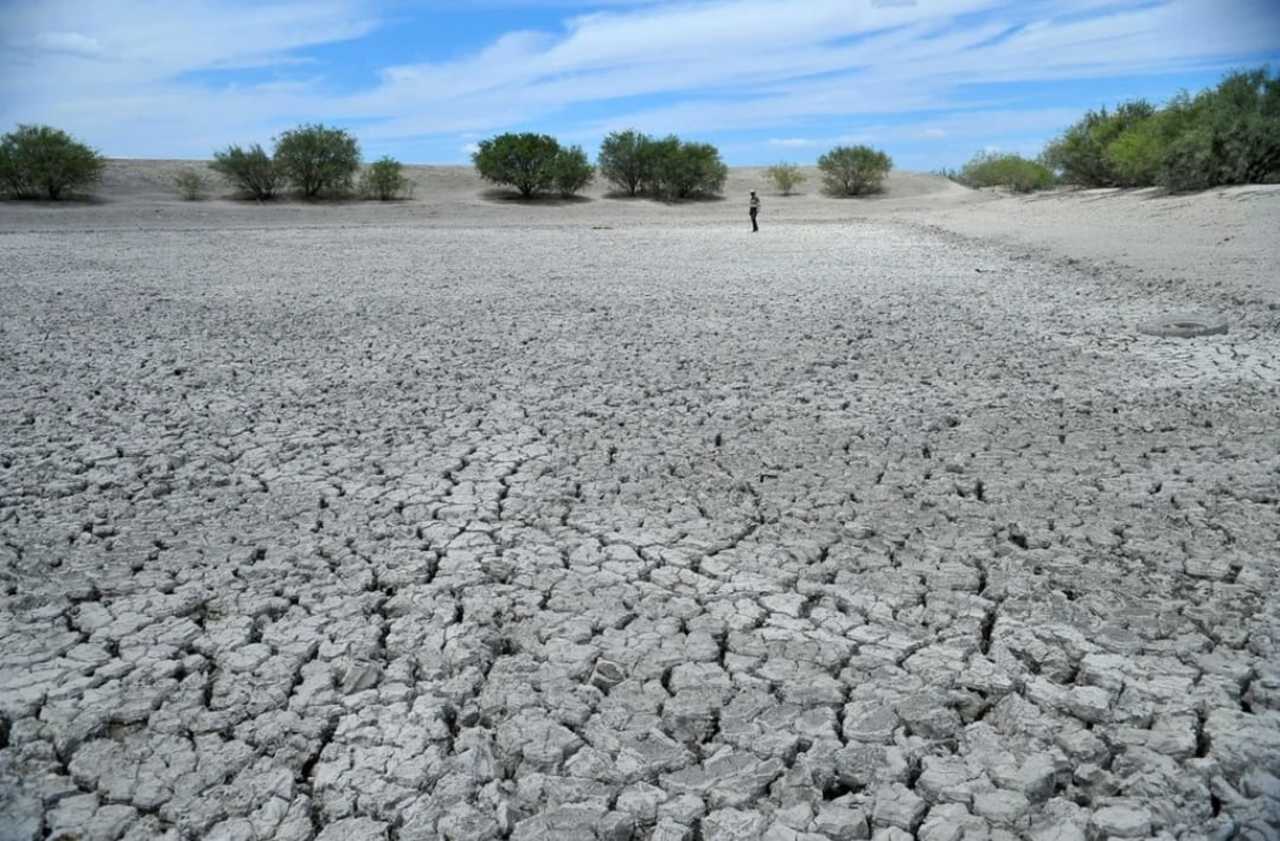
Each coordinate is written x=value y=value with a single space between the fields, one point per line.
x=653 y=534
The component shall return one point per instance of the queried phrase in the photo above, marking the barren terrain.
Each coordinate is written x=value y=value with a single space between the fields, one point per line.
x=462 y=518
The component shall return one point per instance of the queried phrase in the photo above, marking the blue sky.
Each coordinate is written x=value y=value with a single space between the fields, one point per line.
x=929 y=81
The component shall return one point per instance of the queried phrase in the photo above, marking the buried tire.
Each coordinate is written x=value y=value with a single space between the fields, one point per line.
x=1185 y=327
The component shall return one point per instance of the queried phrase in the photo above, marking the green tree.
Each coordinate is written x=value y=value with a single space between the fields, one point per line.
x=251 y=170
x=318 y=159
x=997 y=169
x=571 y=171
x=679 y=169
x=1229 y=134
x=1237 y=125
x=786 y=177
x=854 y=170
x=39 y=160
x=384 y=179
x=524 y=161
x=623 y=161
x=1080 y=153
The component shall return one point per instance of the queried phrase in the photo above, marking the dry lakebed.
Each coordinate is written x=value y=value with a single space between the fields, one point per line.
x=461 y=518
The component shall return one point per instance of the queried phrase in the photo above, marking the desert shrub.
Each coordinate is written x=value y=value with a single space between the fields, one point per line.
x=680 y=169
x=571 y=171
x=656 y=157
x=786 y=177
x=1136 y=155
x=1229 y=135
x=995 y=169
x=317 y=159
x=250 y=170
x=1080 y=153
x=1190 y=162
x=190 y=185
x=39 y=160
x=854 y=170
x=384 y=179
x=624 y=160
x=524 y=161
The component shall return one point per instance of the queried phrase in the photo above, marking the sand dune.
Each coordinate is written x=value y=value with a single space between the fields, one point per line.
x=1216 y=237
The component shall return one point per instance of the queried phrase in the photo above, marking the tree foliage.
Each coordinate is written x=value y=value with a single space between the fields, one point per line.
x=40 y=161
x=1229 y=134
x=384 y=179
x=317 y=159
x=571 y=171
x=524 y=161
x=1080 y=153
x=854 y=170
x=678 y=169
x=786 y=177
x=665 y=168
x=996 y=169
x=251 y=170
x=623 y=160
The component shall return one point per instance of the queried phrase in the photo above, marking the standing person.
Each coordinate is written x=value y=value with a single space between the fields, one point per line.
x=754 y=211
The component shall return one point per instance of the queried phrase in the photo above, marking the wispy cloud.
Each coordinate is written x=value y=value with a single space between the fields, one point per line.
x=918 y=70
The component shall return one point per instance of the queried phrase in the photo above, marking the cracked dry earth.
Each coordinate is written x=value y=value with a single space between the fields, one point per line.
x=660 y=534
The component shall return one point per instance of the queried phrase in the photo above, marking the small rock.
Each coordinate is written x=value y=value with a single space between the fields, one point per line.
x=898 y=806
x=842 y=824
x=607 y=674
x=1001 y=807
x=354 y=829
x=1122 y=821
x=669 y=830
x=361 y=676
x=734 y=825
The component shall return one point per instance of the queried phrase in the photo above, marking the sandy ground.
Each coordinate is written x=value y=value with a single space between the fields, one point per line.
x=461 y=518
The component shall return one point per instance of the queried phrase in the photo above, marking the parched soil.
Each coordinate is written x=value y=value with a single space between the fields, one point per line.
x=849 y=529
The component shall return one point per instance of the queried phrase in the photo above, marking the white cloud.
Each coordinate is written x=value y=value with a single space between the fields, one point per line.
x=113 y=71
x=119 y=72
x=746 y=64
x=68 y=42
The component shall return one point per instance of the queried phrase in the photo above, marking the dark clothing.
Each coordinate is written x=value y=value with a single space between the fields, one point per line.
x=755 y=209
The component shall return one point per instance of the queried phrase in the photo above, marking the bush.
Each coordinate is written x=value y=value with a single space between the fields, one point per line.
x=677 y=169
x=1226 y=135
x=251 y=171
x=524 y=161
x=190 y=185
x=317 y=159
x=854 y=170
x=1136 y=155
x=1190 y=162
x=1229 y=135
x=1080 y=153
x=623 y=160
x=786 y=177
x=571 y=171
x=384 y=179
x=39 y=160
x=993 y=169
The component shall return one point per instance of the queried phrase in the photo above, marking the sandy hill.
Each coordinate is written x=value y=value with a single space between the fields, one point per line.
x=1226 y=233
